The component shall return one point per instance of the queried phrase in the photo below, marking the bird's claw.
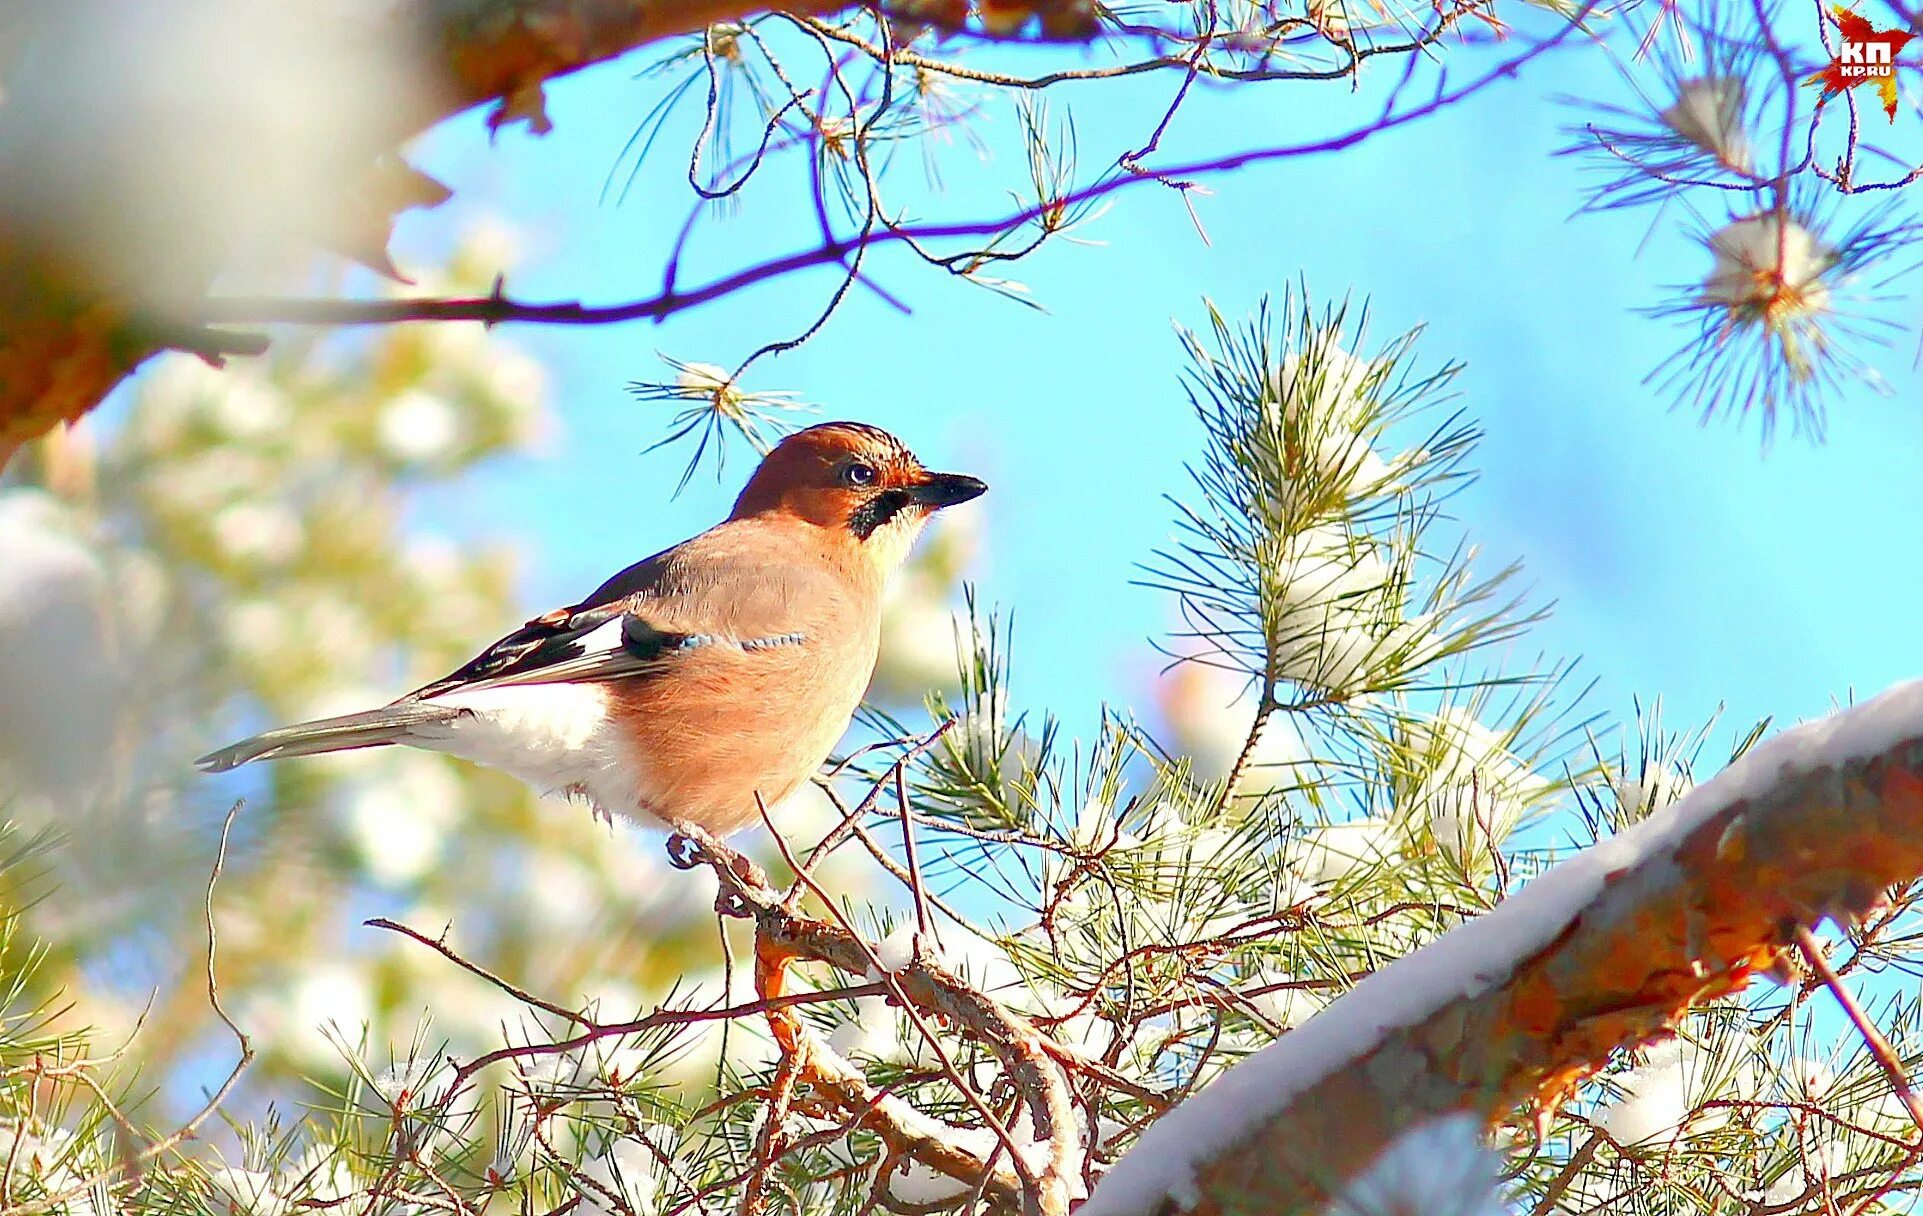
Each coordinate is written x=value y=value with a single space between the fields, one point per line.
x=684 y=852
x=690 y=846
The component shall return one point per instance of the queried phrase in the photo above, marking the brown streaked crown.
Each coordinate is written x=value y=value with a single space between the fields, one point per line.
x=827 y=473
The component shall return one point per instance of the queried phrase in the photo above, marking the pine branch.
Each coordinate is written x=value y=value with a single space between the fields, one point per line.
x=1608 y=950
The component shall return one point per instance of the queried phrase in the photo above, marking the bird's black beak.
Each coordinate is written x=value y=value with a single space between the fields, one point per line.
x=947 y=489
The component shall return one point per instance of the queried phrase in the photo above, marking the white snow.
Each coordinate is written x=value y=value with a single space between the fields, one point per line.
x=897 y=950
x=1287 y=1008
x=872 y=1032
x=1339 y=851
x=1468 y=960
x=1325 y=384
x=913 y=1182
x=1473 y=791
x=318 y=1173
x=50 y=1155
x=416 y=1097
x=246 y=1192
x=1330 y=399
x=1655 y=787
x=1708 y=112
x=413 y=1082
x=1757 y=253
x=1438 y=1168
x=697 y=380
x=1657 y=1097
x=631 y=1169
x=1807 y=1080
x=1343 y=606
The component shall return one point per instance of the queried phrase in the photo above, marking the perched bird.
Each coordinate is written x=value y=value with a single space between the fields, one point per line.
x=691 y=683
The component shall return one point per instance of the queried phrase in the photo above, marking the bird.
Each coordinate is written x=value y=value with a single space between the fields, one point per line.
x=700 y=685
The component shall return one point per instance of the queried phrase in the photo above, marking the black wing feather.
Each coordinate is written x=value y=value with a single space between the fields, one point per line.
x=555 y=647
x=556 y=637
x=541 y=653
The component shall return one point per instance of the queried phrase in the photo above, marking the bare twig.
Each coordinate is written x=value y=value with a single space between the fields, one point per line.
x=1880 y=1049
x=439 y=946
x=1885 y=1055
x=499 y=308
x=214 y=1102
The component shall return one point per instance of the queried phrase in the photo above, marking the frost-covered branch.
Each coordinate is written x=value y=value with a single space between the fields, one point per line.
x=1509 y=1012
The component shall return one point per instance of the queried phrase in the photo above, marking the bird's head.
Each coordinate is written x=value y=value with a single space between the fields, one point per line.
x=858 y=481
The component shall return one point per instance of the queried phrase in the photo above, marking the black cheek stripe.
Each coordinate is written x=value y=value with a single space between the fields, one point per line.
x=876 y=512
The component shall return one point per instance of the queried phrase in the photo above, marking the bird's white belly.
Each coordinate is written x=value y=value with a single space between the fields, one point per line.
x=556 y=737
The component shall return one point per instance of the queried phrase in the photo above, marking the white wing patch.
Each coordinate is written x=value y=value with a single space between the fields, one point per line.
x=610 y=640
x=603 y=639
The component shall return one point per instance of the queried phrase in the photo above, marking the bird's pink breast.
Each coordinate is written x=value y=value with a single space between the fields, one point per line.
x=732 y=725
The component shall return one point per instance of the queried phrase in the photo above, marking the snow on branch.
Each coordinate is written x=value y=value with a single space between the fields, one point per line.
x=1603 y=951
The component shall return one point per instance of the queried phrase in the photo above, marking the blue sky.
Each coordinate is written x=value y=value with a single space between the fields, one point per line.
x=1683 y=562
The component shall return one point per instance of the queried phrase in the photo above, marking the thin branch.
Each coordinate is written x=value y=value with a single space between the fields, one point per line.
x=498 y=308
x=1885 y=1056
x=653 y=1021
x=439 y=946
x=214 y=1102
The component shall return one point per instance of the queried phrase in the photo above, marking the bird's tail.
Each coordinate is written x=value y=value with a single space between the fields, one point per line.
x=370 y=728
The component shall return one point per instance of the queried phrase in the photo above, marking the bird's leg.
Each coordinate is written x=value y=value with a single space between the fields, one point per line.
x=685 y=850
x=690 y=845
x=745 y=885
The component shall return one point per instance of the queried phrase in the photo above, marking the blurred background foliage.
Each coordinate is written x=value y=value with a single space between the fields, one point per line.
x=235 y=549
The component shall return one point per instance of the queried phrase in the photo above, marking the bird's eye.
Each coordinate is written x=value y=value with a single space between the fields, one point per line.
x=859 y=474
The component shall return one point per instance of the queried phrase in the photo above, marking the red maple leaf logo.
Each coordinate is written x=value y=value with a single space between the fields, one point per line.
x=1867 y=56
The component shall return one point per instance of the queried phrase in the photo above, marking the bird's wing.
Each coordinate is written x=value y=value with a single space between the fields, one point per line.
x=738 y=592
